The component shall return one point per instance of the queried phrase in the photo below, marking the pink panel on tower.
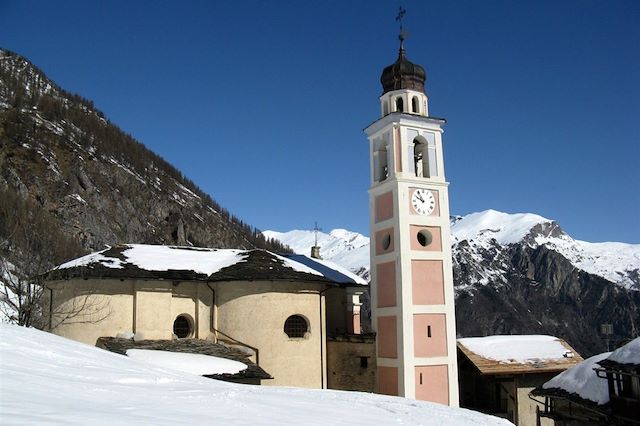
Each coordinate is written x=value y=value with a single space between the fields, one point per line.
x=384 y=241
x=384 y=206
x=429 y=335
x=431 y=232
x=427 y=281
x=386 y=284
x=432 y=383
x=388 y=381
x=387 y=337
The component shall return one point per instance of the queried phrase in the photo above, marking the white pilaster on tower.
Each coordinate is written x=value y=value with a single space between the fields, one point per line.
x=411 y=267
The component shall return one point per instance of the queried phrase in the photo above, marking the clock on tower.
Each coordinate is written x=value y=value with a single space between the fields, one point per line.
x=411 y=268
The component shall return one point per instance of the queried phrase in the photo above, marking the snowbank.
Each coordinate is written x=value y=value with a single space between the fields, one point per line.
x=47 y=379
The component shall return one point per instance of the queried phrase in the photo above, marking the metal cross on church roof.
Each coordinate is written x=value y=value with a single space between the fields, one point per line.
x=401 y=12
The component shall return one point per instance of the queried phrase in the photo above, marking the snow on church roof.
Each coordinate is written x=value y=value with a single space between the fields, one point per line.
x=329 y=269
x=518 y=353
x=204 y=264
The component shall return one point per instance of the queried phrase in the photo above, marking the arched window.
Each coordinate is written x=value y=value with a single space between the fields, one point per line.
x=399 y=104
x=421 y=165
x=424 y=157
x=415 y=105
x=183 y=326
x=296 y=326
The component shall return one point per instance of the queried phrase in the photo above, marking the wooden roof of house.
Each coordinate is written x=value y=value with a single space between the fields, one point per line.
x=190 y=346
x=562 y=356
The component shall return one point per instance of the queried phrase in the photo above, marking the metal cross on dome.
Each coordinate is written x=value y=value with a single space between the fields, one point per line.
x=401 y=12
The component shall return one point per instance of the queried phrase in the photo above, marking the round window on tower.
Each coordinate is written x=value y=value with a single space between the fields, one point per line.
x=424 y=237
x=183 y=326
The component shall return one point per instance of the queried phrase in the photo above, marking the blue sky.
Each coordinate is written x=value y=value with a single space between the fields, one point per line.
x=262 y=104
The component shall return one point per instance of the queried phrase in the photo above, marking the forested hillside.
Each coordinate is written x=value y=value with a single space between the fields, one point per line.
x=71 y=182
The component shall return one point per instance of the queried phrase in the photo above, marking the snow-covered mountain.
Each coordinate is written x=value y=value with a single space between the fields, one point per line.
x=474 y=235
x=347 y=249
x=520 y=274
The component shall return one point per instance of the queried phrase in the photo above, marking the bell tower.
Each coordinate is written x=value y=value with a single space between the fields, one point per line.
x=411 y=268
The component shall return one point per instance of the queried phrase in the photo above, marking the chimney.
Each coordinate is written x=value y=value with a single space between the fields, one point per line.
x=315 y=252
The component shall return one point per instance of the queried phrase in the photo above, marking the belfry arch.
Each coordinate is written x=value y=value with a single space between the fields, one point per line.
x=381 y=162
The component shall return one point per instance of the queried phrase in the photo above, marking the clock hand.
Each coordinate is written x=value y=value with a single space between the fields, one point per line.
x=419 y=197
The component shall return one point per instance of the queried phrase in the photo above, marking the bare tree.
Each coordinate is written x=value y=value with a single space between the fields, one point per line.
x=30 y=244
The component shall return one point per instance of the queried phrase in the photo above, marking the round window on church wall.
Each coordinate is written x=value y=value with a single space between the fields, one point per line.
x=296 y=326
x=182 y=327
x=424 y=238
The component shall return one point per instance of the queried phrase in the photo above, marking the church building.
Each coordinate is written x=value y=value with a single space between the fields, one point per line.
x=284 y=311
x=411 y=267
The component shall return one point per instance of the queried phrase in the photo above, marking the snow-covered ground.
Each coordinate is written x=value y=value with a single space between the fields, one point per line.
x=46 y=379
x=616 y=262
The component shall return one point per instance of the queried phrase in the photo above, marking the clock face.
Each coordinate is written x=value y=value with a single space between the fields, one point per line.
x=423 y=201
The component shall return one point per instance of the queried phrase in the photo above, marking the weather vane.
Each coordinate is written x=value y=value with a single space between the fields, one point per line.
x=401 y=12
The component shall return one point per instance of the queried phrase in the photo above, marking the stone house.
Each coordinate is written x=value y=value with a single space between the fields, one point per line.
x=278 y=309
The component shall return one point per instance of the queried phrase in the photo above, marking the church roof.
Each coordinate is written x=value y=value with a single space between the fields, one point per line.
x=142 y=261
x=189 y=346
x=403 y=74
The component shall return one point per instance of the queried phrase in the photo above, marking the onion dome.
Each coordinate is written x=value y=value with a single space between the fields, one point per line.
x=403 y=74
